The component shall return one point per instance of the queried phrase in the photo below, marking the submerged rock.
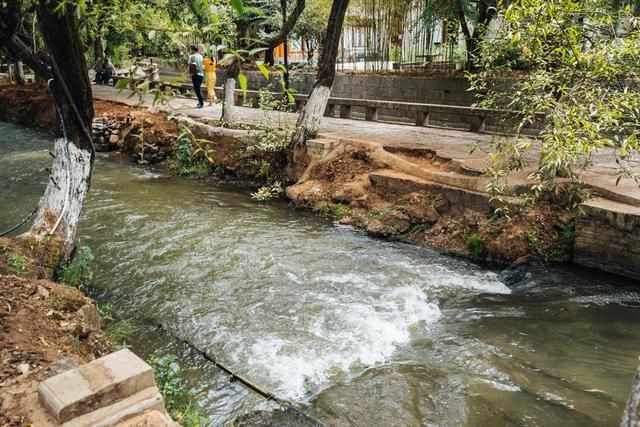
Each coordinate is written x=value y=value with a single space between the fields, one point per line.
x=279 y=417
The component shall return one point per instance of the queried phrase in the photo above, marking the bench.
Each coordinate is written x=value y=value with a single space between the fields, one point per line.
x=475 y=118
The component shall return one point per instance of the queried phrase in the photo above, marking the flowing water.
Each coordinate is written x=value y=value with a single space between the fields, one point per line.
x=353 y=330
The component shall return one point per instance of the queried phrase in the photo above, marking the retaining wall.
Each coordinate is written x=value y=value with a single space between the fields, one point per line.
x=608 y=237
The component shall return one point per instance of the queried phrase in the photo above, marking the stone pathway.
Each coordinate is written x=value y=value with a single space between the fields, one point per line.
x=469 y=150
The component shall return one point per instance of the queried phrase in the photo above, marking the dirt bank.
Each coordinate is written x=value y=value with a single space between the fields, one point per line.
x=45 y=327
x=390 y=192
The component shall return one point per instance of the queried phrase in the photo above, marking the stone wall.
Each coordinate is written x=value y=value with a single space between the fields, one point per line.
x=608 y=237
x=430 y=90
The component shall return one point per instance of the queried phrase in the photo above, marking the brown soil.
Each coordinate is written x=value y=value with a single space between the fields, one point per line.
x=41 y=322
x=29 y=105
x=342 y=188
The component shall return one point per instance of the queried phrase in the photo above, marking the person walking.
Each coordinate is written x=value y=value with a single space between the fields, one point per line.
x=197 y=73
x=210 y=74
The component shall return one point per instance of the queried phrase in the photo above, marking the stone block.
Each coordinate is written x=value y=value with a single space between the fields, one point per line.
x=318 y=149
x=82 y=390
x=149 y=419
x=143 y=401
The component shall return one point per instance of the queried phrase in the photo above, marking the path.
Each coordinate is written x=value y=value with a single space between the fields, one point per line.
x=447 y=143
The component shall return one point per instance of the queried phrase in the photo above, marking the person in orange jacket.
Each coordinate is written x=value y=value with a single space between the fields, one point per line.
x=210 y=73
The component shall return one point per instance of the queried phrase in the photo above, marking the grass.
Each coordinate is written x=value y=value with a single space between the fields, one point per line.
x=476 y=246
x=18 y=263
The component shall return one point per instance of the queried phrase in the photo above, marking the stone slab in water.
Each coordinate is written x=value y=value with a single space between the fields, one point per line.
x=95 y=385
x=279 y=417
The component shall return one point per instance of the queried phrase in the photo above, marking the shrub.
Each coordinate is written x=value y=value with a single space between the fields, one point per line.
x=80 y=271
x=18 y=263
x=477 y=246
x=178 y=400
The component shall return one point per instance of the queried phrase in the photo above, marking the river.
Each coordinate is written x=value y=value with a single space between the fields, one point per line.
x=350 y=329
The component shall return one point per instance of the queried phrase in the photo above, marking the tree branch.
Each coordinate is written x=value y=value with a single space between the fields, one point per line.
x=291 y=22
x=17 y=48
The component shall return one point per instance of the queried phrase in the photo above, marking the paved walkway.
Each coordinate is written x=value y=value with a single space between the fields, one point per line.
x=452 y=144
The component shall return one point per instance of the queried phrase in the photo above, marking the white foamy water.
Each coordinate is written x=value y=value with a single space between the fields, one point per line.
x=349 y=337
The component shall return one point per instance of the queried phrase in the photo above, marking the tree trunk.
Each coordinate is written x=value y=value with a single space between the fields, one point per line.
x=98 y=54
x=60 y=207
x=228 y=99
x=631 y=416
x=20 y=78
x=310 y=116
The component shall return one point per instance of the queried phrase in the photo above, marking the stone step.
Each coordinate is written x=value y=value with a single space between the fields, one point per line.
x=400 y=184
x=95 y=385
x=143 y=401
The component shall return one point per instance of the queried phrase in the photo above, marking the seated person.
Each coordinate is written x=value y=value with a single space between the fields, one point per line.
x=105 y=73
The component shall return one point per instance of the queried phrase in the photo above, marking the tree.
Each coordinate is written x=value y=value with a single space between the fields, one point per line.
x=473 y=16
x=310 y=27
x=236 y=56
x=309 y=120
x=583 y=64
x=56 y=221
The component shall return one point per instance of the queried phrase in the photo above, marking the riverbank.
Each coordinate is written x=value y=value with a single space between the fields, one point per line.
x=48 y=328
x=323 y=315
x=382 y=190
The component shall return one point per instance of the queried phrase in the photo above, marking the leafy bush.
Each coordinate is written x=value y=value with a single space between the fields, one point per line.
x=268 y=192
x=477 y=246
x=191 y=155
x=18 y=263
x=177 y=398
x=80 y=271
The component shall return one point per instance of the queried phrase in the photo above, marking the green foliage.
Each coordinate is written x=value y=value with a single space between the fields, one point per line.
x=118 y=331
x=80 y=271
x=330 y=209
x=18 y=263
x=476 y=246
x=583 y=60
x=179 y=403
x=374 y=213
x=191 y=155
x=268 y=192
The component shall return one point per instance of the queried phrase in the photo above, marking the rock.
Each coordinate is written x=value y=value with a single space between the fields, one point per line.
x=441 y=205
x=113 y=139
x=420 y=208
x=90 y=322
x=391 y=223
x=42 y=292
x=23 y=368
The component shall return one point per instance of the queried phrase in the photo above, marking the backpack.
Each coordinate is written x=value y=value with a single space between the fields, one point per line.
x=193 y=69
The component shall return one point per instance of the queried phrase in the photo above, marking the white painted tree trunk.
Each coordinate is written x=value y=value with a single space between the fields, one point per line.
x=20 y=78
x=60 y=207
x=229 y=105
x=309 y=121
x=631 y=416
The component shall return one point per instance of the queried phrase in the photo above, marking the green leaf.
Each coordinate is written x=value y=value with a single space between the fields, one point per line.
x=263 y=69
x=238 y=6
x=257 y=50
x=122 y=84
x=242 y=81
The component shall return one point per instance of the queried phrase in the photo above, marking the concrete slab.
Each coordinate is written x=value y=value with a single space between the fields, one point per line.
x=149 y=419
x=144 y=401
x=95 y=385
